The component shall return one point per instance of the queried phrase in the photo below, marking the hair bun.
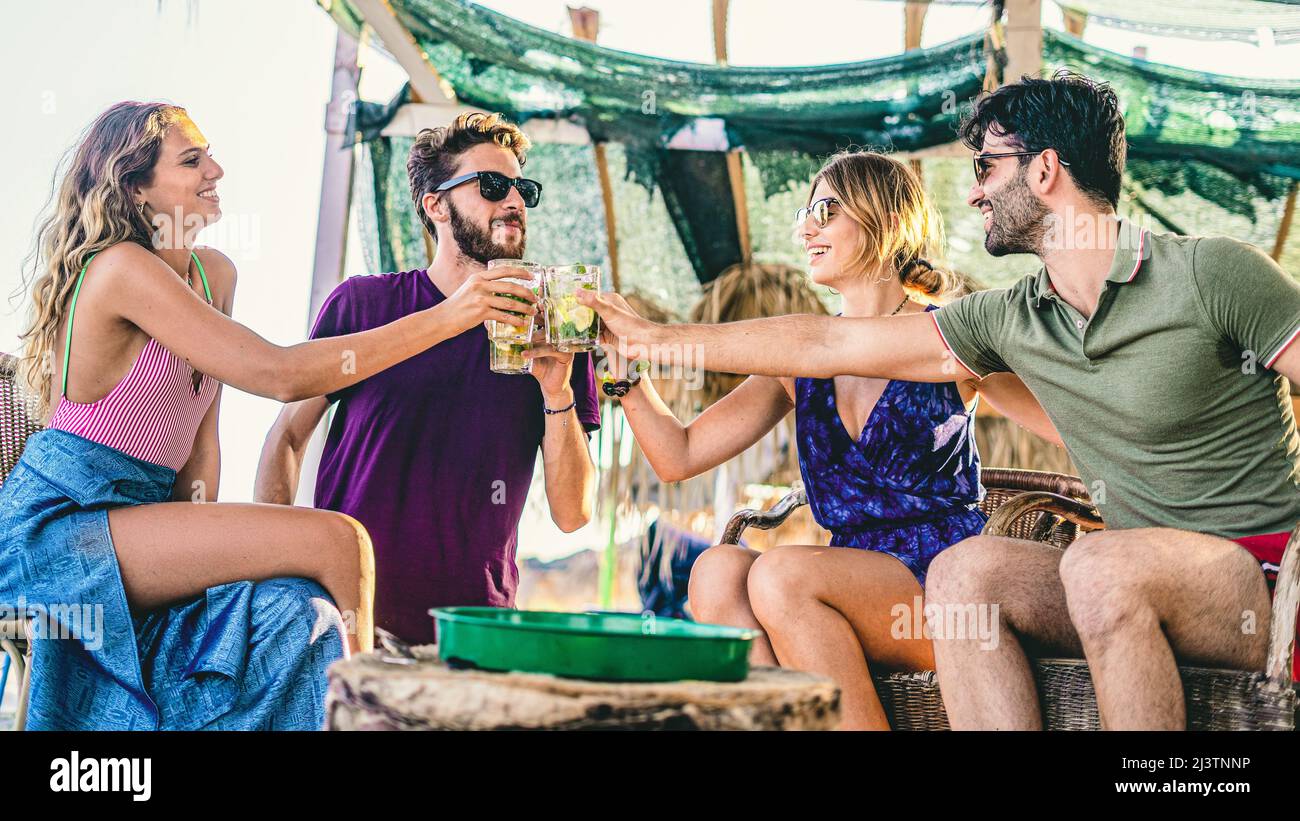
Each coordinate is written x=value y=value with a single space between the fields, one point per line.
x=919 y=274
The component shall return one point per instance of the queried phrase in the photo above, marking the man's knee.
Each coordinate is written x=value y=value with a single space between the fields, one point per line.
x=1101 y=561
x=1102 y=588
x=967 y=571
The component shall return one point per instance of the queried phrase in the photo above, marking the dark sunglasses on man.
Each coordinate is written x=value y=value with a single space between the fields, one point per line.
x=982 y=165
x=495 y=187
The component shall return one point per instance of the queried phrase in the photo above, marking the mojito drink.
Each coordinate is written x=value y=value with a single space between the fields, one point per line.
x=571 y=326
x=507 y=343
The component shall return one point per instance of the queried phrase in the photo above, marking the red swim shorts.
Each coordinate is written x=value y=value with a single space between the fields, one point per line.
x=1267 y=550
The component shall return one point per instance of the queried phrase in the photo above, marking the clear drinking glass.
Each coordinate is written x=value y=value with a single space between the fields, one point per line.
x=508 y=342
x=571 y=326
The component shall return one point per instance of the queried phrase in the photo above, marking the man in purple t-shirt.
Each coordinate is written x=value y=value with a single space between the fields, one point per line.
x=435 y=455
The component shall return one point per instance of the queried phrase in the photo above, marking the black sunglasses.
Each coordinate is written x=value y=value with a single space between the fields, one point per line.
x=820 y=211
x=981 y=163
x=494 y=187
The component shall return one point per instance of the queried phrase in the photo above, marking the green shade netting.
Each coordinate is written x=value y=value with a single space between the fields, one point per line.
x=501 y=64
x=1202 y=146
x=497 y=63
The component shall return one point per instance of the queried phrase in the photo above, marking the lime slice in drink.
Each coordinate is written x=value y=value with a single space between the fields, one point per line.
x=581 y=317
x=504 y=345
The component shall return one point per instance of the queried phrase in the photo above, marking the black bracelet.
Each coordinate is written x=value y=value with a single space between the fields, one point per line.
x=564 y=409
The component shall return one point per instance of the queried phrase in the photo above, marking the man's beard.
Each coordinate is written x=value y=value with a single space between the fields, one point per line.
x=1019 y=219
x=477 y=244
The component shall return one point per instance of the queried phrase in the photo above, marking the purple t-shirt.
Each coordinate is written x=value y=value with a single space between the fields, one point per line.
x=434 y=456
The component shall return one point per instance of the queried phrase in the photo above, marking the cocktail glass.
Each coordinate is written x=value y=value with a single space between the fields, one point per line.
x=507 y=342
x=571 y=326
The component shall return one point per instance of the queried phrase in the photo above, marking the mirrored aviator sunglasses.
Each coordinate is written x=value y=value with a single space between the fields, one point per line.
x=495 y=187
x=820 y=211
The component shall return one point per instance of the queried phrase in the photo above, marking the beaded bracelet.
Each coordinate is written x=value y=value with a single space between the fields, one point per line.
x=564 y=409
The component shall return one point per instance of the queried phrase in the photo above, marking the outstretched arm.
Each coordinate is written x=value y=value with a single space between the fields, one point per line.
x=896 y=347
x=139 y=287
x=679 y=451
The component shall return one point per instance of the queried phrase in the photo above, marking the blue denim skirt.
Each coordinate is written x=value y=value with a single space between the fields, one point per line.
x=243 y=656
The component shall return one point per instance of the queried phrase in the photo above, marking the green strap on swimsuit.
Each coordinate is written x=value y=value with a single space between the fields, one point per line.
x=72 y=310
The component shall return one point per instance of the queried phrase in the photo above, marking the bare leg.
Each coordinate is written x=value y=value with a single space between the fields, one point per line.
x=718 y=594
x=989 y=684
x=1138 y=598
x=833 y=610
x=173 y=551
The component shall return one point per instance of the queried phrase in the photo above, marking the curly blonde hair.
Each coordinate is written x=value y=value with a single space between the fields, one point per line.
x=92 y=209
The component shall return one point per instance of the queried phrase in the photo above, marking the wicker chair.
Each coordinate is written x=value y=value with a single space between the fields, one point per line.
x=15 y=427
x=1053 y=508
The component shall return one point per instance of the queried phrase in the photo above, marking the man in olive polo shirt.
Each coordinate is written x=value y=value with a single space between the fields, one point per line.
x=1163 y=362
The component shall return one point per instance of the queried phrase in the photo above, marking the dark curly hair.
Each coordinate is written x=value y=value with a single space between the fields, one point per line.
x=1077 y=116
x=435 y=150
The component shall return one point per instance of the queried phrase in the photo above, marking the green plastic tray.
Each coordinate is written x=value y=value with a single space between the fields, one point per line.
x=600 y=646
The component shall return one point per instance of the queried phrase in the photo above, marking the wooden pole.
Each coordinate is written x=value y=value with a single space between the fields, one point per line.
x=331 y=223
x=586 y=26
x=426 y=84
x=1075 y=21
x=913 y=25
x=736 y=175
x=735 y=164
x=994 y=40
x=1288 y=214
x=336 y=176
x=1024 y=39
x=720 y=9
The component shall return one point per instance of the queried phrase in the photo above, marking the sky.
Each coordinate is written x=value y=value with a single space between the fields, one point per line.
x=255 y=76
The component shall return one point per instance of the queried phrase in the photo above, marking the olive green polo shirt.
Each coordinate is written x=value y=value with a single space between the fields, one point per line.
x=1165 y=398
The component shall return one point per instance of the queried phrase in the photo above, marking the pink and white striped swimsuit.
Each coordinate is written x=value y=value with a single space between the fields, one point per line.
x=153 y=414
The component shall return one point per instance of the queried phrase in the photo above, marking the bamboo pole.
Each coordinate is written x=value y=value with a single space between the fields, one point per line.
x=607 y=197
x=336 y=176
x=735 y=165
x=586 y=26
x=720 y=9
x=1288 y=214
x=331 y=221
x=1075 y=21
x=913 y=26
x=426 y=83
x=736 y=175
x=914 y=23
x=1024 y=39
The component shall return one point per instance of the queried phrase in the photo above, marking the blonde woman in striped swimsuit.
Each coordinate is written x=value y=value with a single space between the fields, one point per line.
x=152 y=607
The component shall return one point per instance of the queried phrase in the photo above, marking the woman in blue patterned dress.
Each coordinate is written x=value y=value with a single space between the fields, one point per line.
x=890 y=466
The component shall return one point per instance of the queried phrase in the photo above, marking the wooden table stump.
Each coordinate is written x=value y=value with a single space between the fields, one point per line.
x=367 y=693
